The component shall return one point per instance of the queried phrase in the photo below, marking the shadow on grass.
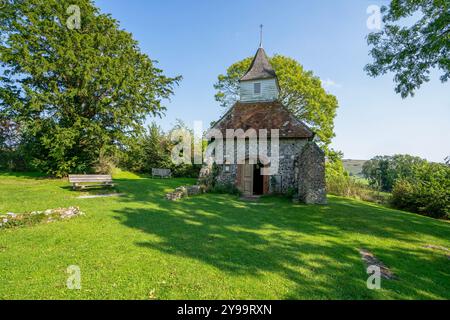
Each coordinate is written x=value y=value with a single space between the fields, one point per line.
x=26 y=175
x=150 y=189
x=246 y=242
x=92 y=190
x=314 y=247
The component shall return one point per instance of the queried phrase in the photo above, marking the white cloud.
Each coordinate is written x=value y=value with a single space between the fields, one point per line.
x=328 y=83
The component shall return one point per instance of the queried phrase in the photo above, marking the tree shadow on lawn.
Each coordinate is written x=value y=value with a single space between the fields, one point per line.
x=313 y=247
x=230 y=241
x=421 y=273
x=345 y=214
x=135 y=190
x=371 y=219
x=149 y=189
x=92 y=190
x=25 y=175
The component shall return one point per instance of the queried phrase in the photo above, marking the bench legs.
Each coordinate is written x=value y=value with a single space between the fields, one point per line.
x=77 y=186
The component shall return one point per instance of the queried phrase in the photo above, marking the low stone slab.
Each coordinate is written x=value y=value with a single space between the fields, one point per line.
x=12 y=220
x=176 y=195
x=101 y=196
x=182 y=192
x=371 y=260
x=194 y=190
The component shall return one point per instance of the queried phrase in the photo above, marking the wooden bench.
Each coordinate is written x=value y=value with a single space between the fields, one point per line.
x=161 y=173
x=82 y=181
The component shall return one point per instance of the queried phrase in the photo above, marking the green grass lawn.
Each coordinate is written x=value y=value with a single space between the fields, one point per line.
x=141 y=246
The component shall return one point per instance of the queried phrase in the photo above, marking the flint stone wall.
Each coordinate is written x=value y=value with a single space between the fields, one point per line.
x=311 y=175
x=287 y=175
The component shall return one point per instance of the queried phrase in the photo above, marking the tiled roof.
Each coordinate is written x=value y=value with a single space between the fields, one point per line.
x=263 y=115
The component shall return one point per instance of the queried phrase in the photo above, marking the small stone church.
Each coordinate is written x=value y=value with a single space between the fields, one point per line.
x=301 y=163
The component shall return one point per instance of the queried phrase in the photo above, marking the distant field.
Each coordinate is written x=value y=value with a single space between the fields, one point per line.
x=354 y=166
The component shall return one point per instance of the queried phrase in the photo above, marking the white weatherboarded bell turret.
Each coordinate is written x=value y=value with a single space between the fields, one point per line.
x=260 y=83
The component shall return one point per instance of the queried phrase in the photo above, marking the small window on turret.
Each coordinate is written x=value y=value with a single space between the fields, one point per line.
x=257 y=88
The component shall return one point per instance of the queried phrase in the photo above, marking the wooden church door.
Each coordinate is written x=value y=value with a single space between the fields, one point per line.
x=247 y=178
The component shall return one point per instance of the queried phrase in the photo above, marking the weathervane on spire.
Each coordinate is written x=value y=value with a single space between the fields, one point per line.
x=261 y=35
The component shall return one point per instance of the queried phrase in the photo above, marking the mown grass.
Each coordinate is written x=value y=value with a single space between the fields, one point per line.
x=141 y=246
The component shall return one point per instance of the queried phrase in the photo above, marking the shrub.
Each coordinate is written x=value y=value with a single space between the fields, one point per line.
x=185 y=170
x=211 y=185
x=347 y=186
x=105 y=164
x=153 y=149
x=338 y=180
x=227 y=188
x=340 y=183
x=291 y=193
x=427 y=192
x=13 y=161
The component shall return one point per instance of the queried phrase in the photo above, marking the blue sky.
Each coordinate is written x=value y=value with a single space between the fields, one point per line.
x=198 y=39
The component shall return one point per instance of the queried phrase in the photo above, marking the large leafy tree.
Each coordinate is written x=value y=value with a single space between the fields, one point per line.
x=383 y=171
x=78 y=88
x=412 y=50
x=300 y=91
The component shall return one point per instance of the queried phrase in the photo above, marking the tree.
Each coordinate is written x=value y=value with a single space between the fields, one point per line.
x=383 y=171
x=300 y=91
x=79 y=88
x=9 y=135
x=157 y=148
x=412 y=51
x=338 y=179
x=153 y=149
x=186 y=170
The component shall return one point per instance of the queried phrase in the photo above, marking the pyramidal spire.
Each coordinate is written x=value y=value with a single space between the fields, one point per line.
x=260 y=68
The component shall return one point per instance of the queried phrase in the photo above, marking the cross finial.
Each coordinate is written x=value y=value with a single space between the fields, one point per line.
x=261 y=35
